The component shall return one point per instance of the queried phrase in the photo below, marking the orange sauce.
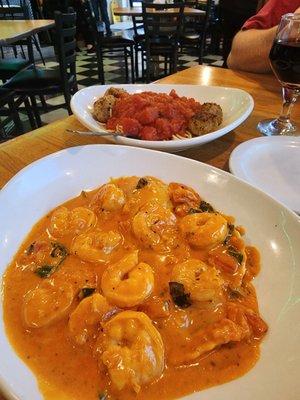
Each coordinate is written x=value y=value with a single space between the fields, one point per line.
x=66 y=370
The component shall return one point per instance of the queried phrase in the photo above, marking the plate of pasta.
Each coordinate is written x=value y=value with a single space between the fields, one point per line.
x=135 y=274
x=162 y=117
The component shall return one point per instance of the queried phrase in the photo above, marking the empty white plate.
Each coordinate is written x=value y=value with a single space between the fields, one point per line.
x=271 y=164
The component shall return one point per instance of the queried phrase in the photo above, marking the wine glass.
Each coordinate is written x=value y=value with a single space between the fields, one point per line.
x=285 y=62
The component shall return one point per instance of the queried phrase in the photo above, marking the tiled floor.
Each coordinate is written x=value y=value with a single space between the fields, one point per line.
x=87 y=76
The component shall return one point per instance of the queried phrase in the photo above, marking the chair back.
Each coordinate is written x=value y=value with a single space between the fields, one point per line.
x=137 y=21
x=162 y=21
x=96 y=28
x=14 y=11
x=65 y=43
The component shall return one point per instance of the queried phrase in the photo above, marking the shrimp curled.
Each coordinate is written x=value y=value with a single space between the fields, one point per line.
x=47 y=303
x=204 y=229
x=96 y=246
x=108 y=198
x=133 y=350
x=128 y=282
x=64 y=222
x=200 y=280
x=155 y=228
x=87 y=316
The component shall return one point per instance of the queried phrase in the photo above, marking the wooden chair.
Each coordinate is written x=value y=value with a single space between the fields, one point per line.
x=41 y=81
x=138 y=37
x=195 y=28
x=9 y=109
x=162 y=25
x=117 y=45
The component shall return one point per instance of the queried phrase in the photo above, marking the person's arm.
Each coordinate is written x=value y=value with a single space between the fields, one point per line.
x=250 y=50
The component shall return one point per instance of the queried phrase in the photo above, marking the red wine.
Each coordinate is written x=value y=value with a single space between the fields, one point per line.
x=285 y=62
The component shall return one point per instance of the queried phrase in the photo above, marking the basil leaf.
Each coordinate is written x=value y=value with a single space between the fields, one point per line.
x=45 y=271
x=85 y=292
x=141 y=183
x=30 y=249
x=206 y=207
x=180 y=298
x=232 y=251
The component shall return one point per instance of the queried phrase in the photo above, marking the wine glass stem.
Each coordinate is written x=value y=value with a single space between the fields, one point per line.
x=289 y=98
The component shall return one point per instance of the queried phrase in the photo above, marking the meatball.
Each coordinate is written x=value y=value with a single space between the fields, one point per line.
x=207 y=120
x=116 y=92
x=103 y=108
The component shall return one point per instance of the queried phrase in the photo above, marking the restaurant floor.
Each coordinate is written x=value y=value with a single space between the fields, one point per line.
x=87 y=75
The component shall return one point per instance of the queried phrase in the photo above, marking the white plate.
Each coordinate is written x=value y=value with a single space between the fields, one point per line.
x=272 y=228
x=236 y=105
x=273 y=165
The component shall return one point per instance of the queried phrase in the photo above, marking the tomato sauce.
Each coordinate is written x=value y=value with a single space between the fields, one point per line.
x=153 y=116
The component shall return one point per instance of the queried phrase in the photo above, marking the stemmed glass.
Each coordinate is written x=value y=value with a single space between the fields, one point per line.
x=285 y=62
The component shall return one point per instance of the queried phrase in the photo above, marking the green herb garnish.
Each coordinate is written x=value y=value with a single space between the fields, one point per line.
x=232 y=251
x=103 y=396
x=45 y=271
x=141 y=183
x=85 y=292
x=194 y=211
x=30 y=249
x=206 y=207
x=180 y=298
x=230 y=232
x=58 y=252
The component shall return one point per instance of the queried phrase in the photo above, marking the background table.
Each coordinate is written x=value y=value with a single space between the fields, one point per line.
x=137 y=11
x=13 y=30
x=21 y=151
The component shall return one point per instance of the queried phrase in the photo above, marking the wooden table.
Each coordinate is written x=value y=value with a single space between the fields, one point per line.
x=19 y=152
x=13 y=30
x=137 y=11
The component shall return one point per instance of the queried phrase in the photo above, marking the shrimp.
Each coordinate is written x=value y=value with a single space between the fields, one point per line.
x=47 y=303
x=148 y=190
x=65 y=222
x=87 y=316
x=96 y=246
x=204 y=230
x=128 y=282
x=201 y=281
x=132 y=350
x=155 y=228
x=183 y=198
x=238 y=324
x=108 y=198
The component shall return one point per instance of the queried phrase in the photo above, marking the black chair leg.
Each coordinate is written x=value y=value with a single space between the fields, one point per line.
x=38 y=47
x=15 y=117
x=100 y=66
x=132 y=65
x=126 y=63
x=136 y=56
x=44 y=104
x=67 y=96
x=202 y=47
x=30 y=113
x=36 y=111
